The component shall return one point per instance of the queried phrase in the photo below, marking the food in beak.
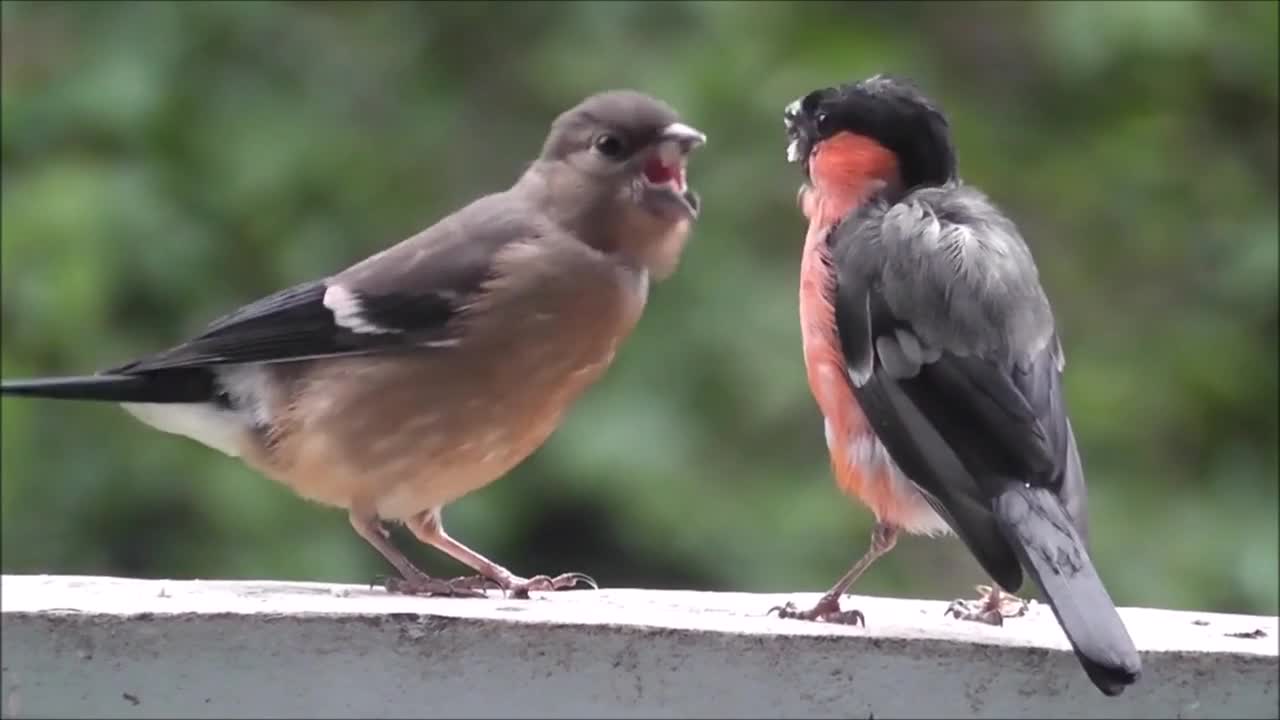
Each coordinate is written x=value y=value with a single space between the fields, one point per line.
x=795 y=148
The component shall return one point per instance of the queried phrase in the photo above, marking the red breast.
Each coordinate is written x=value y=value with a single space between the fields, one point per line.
x=844 y=171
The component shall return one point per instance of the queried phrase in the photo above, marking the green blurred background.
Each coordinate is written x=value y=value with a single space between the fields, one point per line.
x=164 y=163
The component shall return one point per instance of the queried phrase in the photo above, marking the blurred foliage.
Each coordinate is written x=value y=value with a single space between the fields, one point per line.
x=164 y=163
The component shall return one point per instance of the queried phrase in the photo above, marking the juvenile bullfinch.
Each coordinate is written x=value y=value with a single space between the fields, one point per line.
x=427 y=371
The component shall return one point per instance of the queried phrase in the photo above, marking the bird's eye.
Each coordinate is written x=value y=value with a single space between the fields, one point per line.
x=823 y=121
x=609 y=146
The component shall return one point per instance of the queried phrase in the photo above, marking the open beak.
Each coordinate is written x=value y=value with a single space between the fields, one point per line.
x=665 y=167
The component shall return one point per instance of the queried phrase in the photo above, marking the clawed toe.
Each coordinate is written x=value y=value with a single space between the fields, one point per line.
x=468 y=587
x=827 y=610
x=474 y=586
x=569 y=580
x=785 y=611
x=846 y=617
x=1012 y=607
x=974 y=612
x=544 y=583
x=991 y=608
x=475 y=582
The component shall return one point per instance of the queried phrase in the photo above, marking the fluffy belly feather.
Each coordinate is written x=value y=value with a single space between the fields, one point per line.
x=399 y=442
x=864 y=470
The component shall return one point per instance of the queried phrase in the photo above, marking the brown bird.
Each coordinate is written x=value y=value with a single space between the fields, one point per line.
x=434 y=367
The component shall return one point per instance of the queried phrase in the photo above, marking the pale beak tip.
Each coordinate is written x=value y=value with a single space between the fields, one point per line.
x=688 y=137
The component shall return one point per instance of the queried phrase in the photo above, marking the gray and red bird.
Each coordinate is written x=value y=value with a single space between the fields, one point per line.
x=931 y=350
x=427 y=371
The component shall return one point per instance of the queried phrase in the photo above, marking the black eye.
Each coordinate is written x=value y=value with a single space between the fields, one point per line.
x=823 y=121
x=609 y=146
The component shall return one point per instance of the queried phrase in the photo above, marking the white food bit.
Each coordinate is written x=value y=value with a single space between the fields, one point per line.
x=793 y=151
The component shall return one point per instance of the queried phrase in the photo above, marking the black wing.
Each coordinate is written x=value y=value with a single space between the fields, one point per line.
x=952 y=356
x=294 y=324
x=403 y=299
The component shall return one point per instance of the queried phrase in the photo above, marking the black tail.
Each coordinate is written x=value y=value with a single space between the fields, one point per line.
x=161 y=387
x=1052 y=552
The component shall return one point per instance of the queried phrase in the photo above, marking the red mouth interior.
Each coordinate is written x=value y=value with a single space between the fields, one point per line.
x=657 y=173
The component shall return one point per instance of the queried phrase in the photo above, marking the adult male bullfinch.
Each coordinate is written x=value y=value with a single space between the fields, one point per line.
x=931 y=350
x=432 y=368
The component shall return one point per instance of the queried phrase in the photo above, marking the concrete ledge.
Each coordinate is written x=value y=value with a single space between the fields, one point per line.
x=108 y=647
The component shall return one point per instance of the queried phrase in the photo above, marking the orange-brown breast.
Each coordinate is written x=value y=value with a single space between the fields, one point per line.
x=399 y=435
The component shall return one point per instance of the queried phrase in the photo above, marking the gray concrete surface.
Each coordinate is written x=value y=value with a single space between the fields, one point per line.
x=110 y=647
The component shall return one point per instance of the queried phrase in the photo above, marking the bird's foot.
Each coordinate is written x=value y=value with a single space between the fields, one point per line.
x=992 y=606
x=471 y=586
x=519 y=588
x=826 y=610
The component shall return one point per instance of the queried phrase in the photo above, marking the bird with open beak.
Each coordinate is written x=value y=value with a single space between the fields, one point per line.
x=434 y=367
x=931 y=351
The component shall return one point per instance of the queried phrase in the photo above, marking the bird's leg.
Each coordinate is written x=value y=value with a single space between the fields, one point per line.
x=992 y=606
x=427 y=527
x=413 y=581
x=883 y=538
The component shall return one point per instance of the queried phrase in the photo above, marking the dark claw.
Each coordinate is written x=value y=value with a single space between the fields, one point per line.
x=570 y=580
x=788 y=610
x=546 y=583
x=827 y=610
